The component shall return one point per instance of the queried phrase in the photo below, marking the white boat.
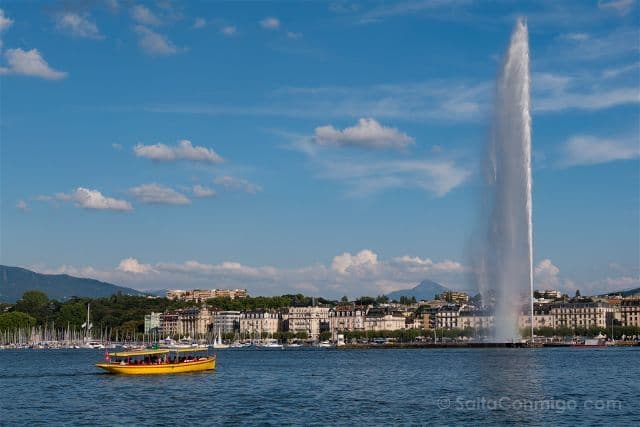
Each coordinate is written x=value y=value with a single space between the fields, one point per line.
x=217 y=343
x=89 y=342
x=325 y=344
x=272 y=345
x=294 y=345
x=93 y=345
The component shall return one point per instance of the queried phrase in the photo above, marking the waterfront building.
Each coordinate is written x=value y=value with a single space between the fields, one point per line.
x=347 y=318
x=255 y=323
x=152 y=323
x=542 y=317
x=447 y=317
x=384 y=319
x=582 y=314
x=630 y=312
x=225 y=322
x=475 y=318
x=169 y=324
x=312 y=320
x=194 y=321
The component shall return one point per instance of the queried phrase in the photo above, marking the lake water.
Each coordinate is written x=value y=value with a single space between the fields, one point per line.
x=561 y=386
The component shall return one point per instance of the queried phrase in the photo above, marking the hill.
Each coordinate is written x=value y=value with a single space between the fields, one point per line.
x=424 y=291
x=14 y=281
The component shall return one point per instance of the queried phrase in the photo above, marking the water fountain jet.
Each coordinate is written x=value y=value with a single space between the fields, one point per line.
x=504 y=260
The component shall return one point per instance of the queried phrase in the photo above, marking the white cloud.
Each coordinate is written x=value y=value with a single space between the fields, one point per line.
x=5 y=22
x=116 y=146
x=232 y=183
x=621 y=7
x=366 y=133
x=293 y=35
x=154 y=43
x=426 y=265
x=23 y=206
x=29 y=63
x=591 y=150
x=132 y=265
x=199 y=23
x=270 y=23
x=144 y=15
x=77 y=25
x=556 y=92
x=361 y=273
x=546 y=275
x=157 y=194
x=185 y=150
x=228 y=30
x=93 y=199
x=368 y=176
x=365 y=259
x=202 y=191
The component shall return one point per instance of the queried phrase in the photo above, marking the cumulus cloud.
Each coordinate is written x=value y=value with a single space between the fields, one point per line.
x=366 y=133
x=365 y=259
x=270 y=23
x=202 y=191
x=132 y=265
x=591 y=150
x=22 y=206
x=29 y=63
x=77 y=25
x=144 y=15
x=157 y=194
x=232 y=183
x=93 y=199
x=185 y=150
x=154 y=43
x=546 y=275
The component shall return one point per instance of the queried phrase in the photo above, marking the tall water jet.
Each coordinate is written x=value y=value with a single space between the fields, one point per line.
x=504 y=263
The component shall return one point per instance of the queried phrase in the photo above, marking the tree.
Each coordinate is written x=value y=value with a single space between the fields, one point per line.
x=578 y=293
x=382 y=299
x=16 y=320
x=33 y=303
x=325 y=336
x=344 y=299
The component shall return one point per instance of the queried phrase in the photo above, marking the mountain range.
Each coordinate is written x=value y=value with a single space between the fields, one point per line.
x=14 y=281
x=424 y=291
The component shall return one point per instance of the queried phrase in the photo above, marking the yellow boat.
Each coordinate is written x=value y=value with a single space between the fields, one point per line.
x=161 y=361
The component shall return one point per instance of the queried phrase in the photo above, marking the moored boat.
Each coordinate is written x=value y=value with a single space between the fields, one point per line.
x=160 y=361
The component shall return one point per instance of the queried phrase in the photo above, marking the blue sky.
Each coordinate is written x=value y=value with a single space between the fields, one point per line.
x=325 y=148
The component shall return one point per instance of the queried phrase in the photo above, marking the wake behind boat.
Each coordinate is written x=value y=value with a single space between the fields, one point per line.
x=160 y=361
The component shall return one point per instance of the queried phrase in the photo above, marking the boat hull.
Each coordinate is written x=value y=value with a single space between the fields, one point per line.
x=173 y=368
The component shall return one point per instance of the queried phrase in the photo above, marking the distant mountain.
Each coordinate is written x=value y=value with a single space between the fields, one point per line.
x=14 y=281
x=424 y=291
x=627 y=293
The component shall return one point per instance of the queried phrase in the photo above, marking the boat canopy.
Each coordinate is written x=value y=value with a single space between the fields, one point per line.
x=139 y=353
x=187 y=350
x=157 y=351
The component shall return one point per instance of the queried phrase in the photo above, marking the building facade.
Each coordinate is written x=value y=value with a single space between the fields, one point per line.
x=259 y=322
x=582 y=314
x=225 y=322
x=312 y=320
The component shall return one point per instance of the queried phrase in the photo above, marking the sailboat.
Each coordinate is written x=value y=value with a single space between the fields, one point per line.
x=88 y=341
x=217 y=342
